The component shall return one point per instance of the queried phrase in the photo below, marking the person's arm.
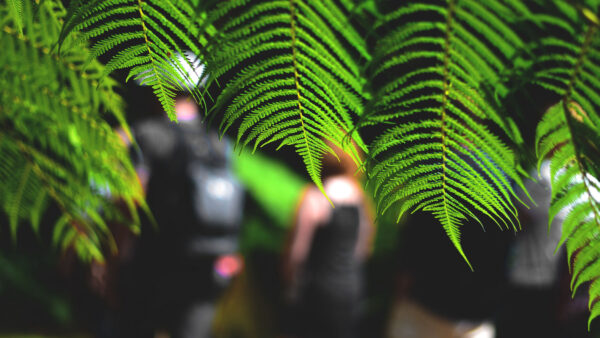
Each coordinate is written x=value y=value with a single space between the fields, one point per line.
x=311 y=213
x=366 y=230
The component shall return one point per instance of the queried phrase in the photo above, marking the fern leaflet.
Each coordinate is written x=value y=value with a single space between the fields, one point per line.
x=55 y=145
x=438 y=153
x=292 y=75
x=145 y=37
x=569 y=135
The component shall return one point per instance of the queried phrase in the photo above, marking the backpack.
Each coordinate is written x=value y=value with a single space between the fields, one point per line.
x=192 y=186
x=217 y=195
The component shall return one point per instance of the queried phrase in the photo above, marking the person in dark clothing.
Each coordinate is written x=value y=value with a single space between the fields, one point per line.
x=175 y=275
x=328 y=247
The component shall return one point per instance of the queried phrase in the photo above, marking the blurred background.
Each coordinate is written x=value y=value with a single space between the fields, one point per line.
x=239 y=243
x=46 y=291
x=229 y=280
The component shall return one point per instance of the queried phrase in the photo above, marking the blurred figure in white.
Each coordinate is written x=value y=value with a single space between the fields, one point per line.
x=534 y=265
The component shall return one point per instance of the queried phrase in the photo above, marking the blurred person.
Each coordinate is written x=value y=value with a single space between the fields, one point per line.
x=188 y=250
x=324 y=262
x=540 y=301
x=531 y=306
x=182 y=267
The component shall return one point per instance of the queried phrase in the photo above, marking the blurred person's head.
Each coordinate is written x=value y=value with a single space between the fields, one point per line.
x=192 y=76
x=185 y=108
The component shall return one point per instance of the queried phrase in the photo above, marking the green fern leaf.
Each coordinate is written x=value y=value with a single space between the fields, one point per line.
x=569 y=136
x=292 y=75
x=145 y=37
x=15 y=8
x=55 y=144
x=440 y=155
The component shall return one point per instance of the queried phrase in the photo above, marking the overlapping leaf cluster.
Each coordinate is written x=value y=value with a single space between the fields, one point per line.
x=569 y=135
x=55 y=145
x=293 y=75
x=430 y=79
x=437 y=152
x=149 y=38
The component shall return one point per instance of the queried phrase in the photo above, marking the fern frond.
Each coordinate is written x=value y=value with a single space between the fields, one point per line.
x=440 y=155
x=145 y=37
x=15 y=8
x=569 y=135
x=55 y=145
x=292 y=75
x=571 y=146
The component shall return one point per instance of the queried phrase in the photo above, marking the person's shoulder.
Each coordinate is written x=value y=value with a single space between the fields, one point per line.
x=315 y=205
x=154 y=136
x=313 y=195
x=149 y=126
x=314 y=199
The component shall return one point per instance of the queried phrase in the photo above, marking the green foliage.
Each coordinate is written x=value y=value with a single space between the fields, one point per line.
x=296 y=75
x=268 y=222
x=437 y=152
x=431 y=79
x=571 y=145
x=569 y=136
x=54 y=143
x=143 y=36
x=257 y=172
x=15 y=8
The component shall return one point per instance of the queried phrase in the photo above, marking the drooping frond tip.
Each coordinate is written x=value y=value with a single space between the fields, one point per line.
x=439 y=155
x=569 y=143
x=568 y=135
x=292 y=77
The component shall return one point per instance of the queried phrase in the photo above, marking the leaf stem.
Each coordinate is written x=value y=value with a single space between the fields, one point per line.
x=164 y=94
x=445 y=93
x=311 y=164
